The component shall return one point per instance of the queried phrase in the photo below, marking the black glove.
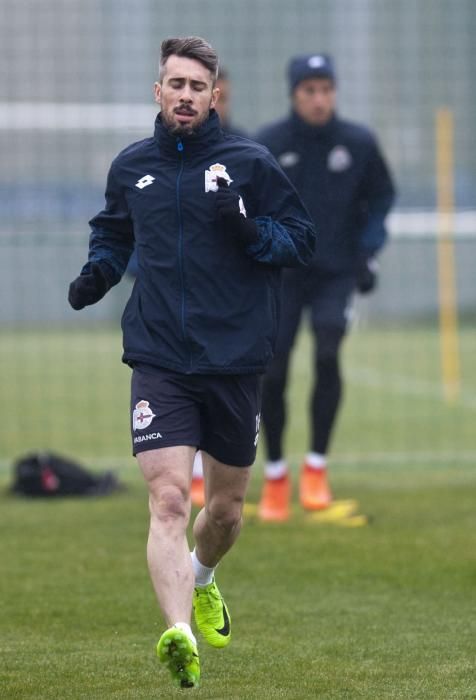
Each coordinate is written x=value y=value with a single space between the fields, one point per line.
x=227 y=203
x=88 y=288
x=366 y=272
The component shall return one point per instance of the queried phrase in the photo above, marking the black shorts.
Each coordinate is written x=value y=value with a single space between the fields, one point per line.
x=219 y=414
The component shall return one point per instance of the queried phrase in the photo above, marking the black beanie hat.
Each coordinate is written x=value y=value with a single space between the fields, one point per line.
x=314 y=65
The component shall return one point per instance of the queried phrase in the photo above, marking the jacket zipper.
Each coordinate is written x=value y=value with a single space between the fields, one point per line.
x=180 y=243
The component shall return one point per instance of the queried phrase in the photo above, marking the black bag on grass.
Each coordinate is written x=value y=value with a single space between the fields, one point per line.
x=48 y=474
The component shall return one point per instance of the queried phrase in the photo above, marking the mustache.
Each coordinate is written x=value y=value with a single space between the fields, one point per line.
x=185 y=109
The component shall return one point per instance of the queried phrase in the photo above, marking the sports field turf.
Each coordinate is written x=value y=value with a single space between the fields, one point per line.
x=385 y=610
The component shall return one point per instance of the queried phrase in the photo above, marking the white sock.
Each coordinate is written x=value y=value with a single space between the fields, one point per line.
x=198 y=466
x=275 y=470
x=187 y=629
x=203 y=574
x=315 y=460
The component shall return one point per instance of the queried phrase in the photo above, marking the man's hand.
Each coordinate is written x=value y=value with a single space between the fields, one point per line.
x=367 y=277
x=227 y=203
x=89 y=288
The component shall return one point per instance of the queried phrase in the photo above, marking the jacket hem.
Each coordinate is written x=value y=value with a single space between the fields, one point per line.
x=130 y=357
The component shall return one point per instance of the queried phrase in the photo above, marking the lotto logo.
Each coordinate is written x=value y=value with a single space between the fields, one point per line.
x=144 y=181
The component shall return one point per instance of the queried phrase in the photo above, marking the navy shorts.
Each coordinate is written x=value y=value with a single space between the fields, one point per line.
x=219 y=414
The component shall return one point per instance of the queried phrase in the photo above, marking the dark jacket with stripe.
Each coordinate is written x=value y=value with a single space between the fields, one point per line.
x=344 y=182
x=202 y=302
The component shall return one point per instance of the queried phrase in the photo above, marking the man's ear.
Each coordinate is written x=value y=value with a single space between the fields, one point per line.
x=215 y=96
x=157 y=91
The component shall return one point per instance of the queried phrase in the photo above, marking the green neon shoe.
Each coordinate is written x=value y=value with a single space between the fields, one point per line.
x=211 y=615
x=177 y=651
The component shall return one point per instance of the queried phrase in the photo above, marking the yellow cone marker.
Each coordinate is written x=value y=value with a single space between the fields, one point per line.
x=338 y=510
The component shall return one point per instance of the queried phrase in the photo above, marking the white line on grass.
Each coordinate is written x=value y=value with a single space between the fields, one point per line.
x=414 y=457
x=405 y=386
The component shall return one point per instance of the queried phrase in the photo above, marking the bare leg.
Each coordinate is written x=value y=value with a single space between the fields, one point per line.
x=167 y=472
x=217 y=526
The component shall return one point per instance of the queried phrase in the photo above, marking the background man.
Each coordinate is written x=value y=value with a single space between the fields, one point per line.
x=223 y=105
x=340 y=173
x=213 y=220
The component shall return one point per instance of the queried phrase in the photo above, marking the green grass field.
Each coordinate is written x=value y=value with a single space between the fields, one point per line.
x=386 y=610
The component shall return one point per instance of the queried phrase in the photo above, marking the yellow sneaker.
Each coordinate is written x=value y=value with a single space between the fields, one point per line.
x=176 y=650
x=211 y=615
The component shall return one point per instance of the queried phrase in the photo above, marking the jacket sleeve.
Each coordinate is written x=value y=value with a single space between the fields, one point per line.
x=112 y=234
x=378 y=195
x=286 y=233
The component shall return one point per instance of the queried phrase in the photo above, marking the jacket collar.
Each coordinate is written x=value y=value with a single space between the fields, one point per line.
x=312 y=132
x=208 y=133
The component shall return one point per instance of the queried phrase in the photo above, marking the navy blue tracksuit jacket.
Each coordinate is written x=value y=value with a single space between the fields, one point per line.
x=344 y=182
x=201 y=302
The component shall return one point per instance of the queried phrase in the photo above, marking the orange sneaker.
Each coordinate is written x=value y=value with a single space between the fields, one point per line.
x=197 y=491
x=274 y=504
x=314 y=490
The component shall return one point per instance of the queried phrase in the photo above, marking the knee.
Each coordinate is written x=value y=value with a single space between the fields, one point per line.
x=169 y=503
x=225 y=516
x=328 y=363
x=328 y=374
x=328 y=350
x=329 y=341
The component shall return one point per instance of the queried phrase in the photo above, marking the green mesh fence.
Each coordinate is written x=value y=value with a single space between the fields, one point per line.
x=76 y=88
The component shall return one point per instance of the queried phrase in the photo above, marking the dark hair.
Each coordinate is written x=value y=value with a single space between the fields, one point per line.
x=189 y=47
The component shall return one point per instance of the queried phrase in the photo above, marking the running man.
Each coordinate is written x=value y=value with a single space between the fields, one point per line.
x=339 y=171
x=213 y=219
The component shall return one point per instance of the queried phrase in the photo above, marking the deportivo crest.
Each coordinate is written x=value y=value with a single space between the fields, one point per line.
x=316 y=62
x=339 y=159
x=211 y=175
x=289 y=159
x=214 y=171
x=142 y=416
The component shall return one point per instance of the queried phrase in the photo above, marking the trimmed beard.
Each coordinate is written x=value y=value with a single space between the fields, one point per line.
x=184 y=129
